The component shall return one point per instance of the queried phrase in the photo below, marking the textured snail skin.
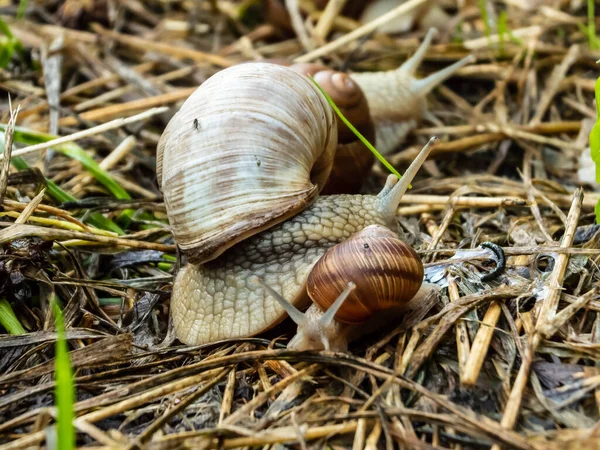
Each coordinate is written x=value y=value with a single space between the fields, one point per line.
x=216 y=300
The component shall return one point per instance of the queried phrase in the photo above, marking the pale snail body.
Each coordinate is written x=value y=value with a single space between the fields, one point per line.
x=397 y=100
x=218 y=300
x=229 y=212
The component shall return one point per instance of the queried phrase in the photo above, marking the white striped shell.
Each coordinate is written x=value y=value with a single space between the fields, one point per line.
x=251 y=147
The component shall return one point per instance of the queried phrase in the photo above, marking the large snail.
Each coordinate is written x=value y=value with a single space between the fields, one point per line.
x=241 y=166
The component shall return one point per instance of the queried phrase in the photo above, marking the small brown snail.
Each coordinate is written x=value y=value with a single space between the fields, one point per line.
x=241 y=165
x=373 y=274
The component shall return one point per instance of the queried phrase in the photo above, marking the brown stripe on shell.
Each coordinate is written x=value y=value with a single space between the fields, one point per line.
x=387 y=273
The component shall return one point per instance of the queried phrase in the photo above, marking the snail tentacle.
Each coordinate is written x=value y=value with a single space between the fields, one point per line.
x=425 y=85
x=394 y=189
x=329 y=316
x=411 y=65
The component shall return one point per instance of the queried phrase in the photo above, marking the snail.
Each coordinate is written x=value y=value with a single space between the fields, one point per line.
x=384 y=106
x=372 y=275
x=397 y=100
x=240 y=166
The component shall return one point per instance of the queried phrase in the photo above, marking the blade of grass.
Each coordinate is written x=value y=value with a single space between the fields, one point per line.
x=96 y=219
x=486 y=20
x=595 y=143
x=73 y=151
x=593 y=39
x=364 y=140
x=22 y=9
x=64 y=390
x=8 y=318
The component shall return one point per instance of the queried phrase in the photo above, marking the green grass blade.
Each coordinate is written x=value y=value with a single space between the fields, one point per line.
x=364 y=140
x=592 y=38
x=486 y=20
x=73 y=151
x=77 y=153
x=96 y=219
x=22 y=9
x=8 y=318
x=595 y=133
x=5 y=29
x=64 y=390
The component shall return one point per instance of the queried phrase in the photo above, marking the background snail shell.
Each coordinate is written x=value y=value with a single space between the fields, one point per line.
x=387 y=273
x=353 y=160
x=207 y=156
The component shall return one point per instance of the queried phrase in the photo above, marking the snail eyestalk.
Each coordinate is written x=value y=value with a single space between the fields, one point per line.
x=329 y=316
x=426 y=85
x=295 y=314
x=410 y=65
x=393 y=191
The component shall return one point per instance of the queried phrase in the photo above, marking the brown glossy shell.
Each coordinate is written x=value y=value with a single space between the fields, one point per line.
x=387 y=273
x=353 y=160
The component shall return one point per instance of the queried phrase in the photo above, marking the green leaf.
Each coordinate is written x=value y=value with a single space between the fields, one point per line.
x=22 y=9
x=595 y=134
x=8 y=318
x=364 y=140
x=64 y=390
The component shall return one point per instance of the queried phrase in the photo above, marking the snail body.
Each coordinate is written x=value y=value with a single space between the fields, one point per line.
x=370 y=273
x=241 y=181
x=397 y=99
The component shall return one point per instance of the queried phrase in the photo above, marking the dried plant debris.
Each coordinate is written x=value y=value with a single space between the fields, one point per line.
x=505 y=357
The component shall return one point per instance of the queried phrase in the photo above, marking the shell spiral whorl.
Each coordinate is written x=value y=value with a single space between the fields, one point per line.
x=387 y=273
x=353 y=160
x=258 y=129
